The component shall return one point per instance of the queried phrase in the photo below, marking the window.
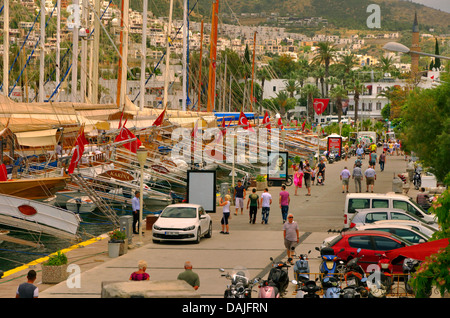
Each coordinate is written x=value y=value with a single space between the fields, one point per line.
x=378 y=203
x=408 y=235
x=376 y=216
x=385 y=244
x=401 y=216
x=378 y=106
x=274 y=88
x=354 y=204
x=363 y=242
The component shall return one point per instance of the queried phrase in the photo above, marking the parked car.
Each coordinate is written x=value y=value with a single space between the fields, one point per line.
x=404 y=231
x=182 y=222
x=418 y=226
x=390 y=200
x=346 y=244
x=367 y=216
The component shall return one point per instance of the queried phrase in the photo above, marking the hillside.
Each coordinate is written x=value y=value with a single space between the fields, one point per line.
x=396 y=15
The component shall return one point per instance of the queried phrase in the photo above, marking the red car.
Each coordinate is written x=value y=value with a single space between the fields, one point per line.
x=346 y=244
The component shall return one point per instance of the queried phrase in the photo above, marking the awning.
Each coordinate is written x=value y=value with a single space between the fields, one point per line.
x=39 y=138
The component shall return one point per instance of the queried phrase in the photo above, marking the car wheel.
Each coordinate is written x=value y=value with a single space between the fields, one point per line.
x=199 y=235
x=209 y=233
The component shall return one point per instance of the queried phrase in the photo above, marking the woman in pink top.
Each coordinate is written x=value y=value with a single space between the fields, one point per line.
x=298 y=177
x=284 y=202
x=140 y=274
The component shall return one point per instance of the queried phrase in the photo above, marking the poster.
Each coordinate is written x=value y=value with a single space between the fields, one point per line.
x=277 y=169
x=201 y=189
x=335 y=144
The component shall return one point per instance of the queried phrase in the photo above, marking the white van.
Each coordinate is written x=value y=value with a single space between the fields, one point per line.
x=390 y=200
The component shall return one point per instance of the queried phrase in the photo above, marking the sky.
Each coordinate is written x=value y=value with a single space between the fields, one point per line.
x=443 y=5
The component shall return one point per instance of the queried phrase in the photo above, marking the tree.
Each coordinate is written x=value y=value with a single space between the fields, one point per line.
x=283 y=102
x=348 y=61
x=325 y=54
x=310 y=91
x=338 y=93
x=358 y=88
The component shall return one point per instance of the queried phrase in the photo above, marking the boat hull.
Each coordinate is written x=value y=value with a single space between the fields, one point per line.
x=33 y=189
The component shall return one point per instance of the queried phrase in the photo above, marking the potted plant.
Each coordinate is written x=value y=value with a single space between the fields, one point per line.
x=117 y=239
x=54 y=270
x=261 y=182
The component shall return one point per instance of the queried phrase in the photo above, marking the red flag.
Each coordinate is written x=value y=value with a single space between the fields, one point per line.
x=77 y=151
x=303 y=125
x=266 y=120
x=160 y=119
x=243 y=121
x=194 y=131
x=120 y=121
x=320 y=104
x=126 y=134
x=280 y=123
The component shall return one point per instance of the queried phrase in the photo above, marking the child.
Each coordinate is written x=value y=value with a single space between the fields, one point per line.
x=319 y=178
x=313 y=174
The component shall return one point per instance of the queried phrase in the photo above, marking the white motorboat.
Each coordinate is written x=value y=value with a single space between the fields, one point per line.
x=82 y=204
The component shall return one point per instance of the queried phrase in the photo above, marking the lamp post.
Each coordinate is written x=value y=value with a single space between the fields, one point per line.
x=142 y=158
x=398 y=47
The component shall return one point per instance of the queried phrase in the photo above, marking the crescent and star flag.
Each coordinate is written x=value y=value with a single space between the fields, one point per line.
x=77 y=151
x=320 y=104
x=280 y=123
x=243 y=121
x=160 y=119
x=126 y=134
x=266 y=120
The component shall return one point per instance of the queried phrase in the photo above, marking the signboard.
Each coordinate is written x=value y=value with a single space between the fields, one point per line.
x=201 y=189
x=335 y=144
x=277 y=169
x=118 y=174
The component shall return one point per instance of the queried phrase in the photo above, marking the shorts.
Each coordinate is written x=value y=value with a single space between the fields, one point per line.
x=224 y=219
x=308 y=183
x=370 y=180
x=290 y=245
x=345 y=181
x=239 y=203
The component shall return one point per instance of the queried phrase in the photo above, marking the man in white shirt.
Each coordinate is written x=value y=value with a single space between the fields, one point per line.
x=371 y=176
x=345 y=177
x=135 y=205
x=266 y=201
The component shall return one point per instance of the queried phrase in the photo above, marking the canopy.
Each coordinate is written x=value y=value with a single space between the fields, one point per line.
x=418 y=251
x=38 y=138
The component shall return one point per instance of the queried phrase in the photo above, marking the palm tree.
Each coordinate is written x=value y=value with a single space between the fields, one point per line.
x=284 y=102
x=263 y=74
x=325 y=54
x=310 y=91
x=348 y=61
x=339 y=93
x=291 y=87
x=358 y=88
x=386 y=63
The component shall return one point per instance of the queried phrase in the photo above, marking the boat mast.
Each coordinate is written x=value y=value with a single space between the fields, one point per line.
x=76 y=25
x=185 y=54
x=42 y=54
x=95 y=56
x=166 y=72
x=253 y=72
x=212 y=58
x=6 y=47
x=200 y=69
x=58 y=45
x=122 y=69
x=143 y=53
x=83 y=75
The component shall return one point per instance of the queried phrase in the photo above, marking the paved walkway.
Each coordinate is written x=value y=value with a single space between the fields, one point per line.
x=249 y=245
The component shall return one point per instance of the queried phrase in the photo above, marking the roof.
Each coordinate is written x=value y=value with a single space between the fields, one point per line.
x=368 y=232
x=380 y=210
x=184 y=205
x=381 y=195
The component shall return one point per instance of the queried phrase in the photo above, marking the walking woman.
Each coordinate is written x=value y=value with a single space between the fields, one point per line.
x=298 y=178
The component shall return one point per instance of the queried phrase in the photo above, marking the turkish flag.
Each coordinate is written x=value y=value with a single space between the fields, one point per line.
x=77 y=151
x=126 y=134
x=243 y=121
x=320 y=104
x=280 y=123
x=160 y=119
x=266 y=120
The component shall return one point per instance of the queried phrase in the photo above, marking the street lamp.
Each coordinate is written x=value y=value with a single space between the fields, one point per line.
x=142 y=158
x=398 y=47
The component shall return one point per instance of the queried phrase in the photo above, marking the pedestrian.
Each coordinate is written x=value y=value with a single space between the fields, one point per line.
x=225 y=203
x=253 y=201
x=298 y=179
x=266 y=201
x=371 y=176
x=321 y=167
x=284 y=201
x=291 y=236
x=397 y=147
x=28 y=289
x=319 y=178
x=372 y=158
x=358 y=176
x=385 y=146
x=360 y=151
x=135 y=205
x=346 y=151
x=189 y=276
x=307 y=175
x=382 y=160
x=239 y=197
x=345 y=177
x=140 y=274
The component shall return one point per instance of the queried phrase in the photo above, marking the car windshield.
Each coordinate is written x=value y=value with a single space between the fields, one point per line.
x=179 y=212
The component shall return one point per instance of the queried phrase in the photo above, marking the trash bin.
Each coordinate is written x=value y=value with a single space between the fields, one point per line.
x=150 y=220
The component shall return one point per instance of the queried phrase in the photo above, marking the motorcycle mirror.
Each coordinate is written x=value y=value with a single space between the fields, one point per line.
x=309 y=251
x=271 y=259
x=317 y=249
x=294 y=282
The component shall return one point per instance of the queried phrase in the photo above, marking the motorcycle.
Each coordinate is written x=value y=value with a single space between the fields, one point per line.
x=267 y=289
x=278 y=275
x=308 y=290
x=410 y=266
x=385 y=280
x=240 y=286
x=301 y=268
x=331 y=264
x=353 y=291
x=417 y=178
x=331 y=288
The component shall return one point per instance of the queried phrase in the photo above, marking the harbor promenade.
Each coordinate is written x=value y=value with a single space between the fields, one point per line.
x=248 y=245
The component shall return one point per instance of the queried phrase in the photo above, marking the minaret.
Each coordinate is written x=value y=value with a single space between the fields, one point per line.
x=415 y=47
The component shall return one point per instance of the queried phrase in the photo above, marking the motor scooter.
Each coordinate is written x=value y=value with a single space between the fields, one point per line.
x=410 y=266
x=385 y=280
x=331 y=288
x=241 y=286
x=301 y=268
x=279 y=275
x=308 y=290
x=331 y=263
x=417 y=178
x=267 y=289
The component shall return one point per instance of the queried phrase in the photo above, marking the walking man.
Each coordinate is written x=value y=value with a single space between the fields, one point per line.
x=345 y=177
x=382 y=160
x=239 y=197
x=291 y=236
x=266 y=201
x=253 y=201
x=284 y=201
x=358 y=177
x=371 y=176
x=135 y=205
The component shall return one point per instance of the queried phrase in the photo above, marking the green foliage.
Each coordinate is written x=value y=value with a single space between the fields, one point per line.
x=117 y=235
x=56 y=259
x=260 y=178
